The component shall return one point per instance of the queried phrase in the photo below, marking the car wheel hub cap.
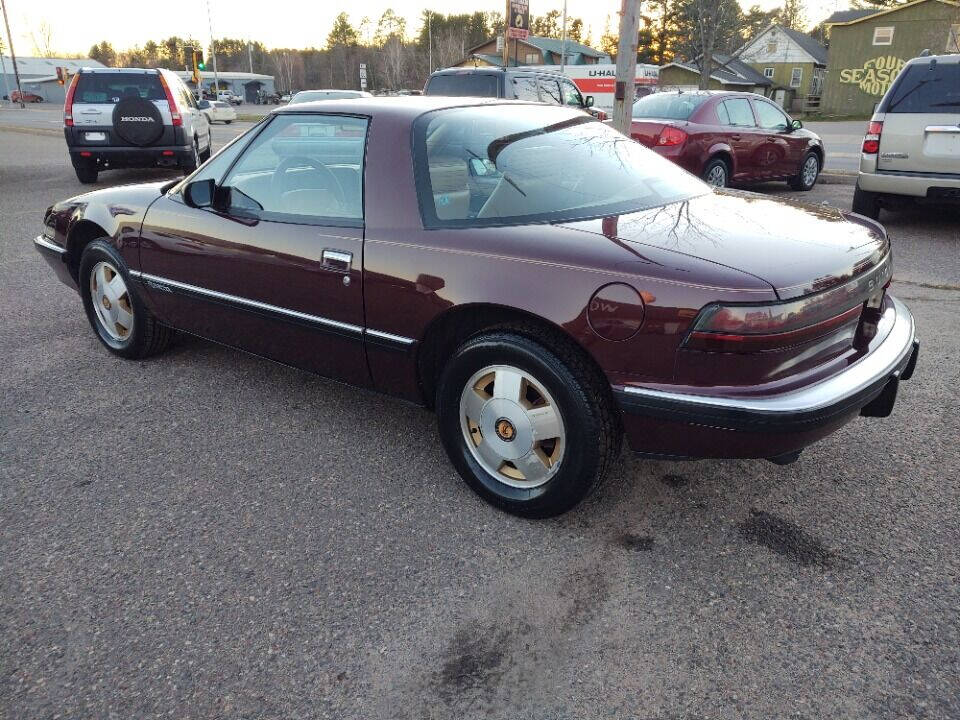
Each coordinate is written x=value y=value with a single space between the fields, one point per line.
x=512 y=426
x=111 y=301
x=717 y=177
x=810 y=170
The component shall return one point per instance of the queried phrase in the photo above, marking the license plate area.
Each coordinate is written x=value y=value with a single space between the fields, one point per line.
x=942 y=143
x=95 y=136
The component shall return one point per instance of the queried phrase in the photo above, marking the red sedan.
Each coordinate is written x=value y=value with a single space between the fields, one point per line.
x=543 y=282
x=728 y=137
x=27 y=97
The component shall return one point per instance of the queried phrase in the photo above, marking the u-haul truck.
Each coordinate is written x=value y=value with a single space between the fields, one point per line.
x=598 y=80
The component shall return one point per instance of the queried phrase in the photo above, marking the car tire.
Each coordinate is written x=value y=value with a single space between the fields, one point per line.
x=86 y=173
x=716 y=173
x=866 y=203
x=809 y=172
x=205 y=155
x=193 y=162
x=533 y=381
x=227 y=122
x=114 y=308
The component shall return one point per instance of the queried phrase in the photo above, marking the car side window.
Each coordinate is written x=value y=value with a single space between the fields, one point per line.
x=770 y=117
x=525 y=88
x=571 y=94
x=550 y=91
x=739 y=112
x=302 y=168
x=723 y=117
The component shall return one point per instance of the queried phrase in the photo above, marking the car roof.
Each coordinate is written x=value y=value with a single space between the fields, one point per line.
x=707 y=93
x=494 y=71
x=400 y=107
x=949 y=59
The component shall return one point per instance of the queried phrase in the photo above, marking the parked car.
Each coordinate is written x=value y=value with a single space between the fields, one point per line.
x=120 y=117
x=218 y=111
x=911 y=151
x=286 y=97
x=312 y=95
x=577 y=288
x=728 y=137
x=229 y=97
x=27 y=97
x=515 y=83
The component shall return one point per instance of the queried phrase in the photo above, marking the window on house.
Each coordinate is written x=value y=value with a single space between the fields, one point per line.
x=768 y=72
x=772 y=46
x=883 y=36
x=796 y=77
x=532 y=59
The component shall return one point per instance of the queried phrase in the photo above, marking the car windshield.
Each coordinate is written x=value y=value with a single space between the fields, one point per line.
x=111 y=87
x=667 y=106
x=519 y=164
x=463 y=85
x=311 y=95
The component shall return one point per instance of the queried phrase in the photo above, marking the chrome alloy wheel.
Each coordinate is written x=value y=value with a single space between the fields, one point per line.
x=811 y=167
x=111 y=301
x=512 y=426
x=717 y=177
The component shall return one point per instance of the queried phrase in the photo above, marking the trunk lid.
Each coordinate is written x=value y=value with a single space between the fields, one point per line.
x=797 y=248
x=647 y=131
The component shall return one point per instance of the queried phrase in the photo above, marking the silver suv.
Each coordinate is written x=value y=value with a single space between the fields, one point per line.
x=120 y=117
x=911 y=151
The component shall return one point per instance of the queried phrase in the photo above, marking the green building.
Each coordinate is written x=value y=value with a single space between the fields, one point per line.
x=868 y=48
x=794 y=62
x=728 y=73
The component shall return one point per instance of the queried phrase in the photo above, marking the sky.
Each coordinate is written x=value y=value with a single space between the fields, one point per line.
x=277 y=23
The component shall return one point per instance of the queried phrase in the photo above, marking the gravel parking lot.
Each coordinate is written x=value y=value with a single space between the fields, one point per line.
x=209 y=535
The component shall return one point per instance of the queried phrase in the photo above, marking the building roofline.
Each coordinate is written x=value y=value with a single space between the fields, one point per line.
x=721 y=80
x=898 y=8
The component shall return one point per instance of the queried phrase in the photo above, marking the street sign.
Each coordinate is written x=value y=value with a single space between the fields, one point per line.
x=499 y=44
x=363 y=76
x=518 y=21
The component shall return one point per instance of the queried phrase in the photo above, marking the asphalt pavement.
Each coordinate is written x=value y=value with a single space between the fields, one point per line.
x=206 y=534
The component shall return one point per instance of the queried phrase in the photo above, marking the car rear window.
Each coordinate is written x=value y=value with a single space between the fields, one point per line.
x=926 y=87
x=667 y=106
x=465 y=85
x=521 y=164
x=100 y=88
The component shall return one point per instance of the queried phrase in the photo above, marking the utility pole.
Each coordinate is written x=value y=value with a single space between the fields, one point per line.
x=250 y=55
x=213 y=54
x=626 y=65
x=430 y=41
x=506 y=40
x=563 y=47
x=13 y=56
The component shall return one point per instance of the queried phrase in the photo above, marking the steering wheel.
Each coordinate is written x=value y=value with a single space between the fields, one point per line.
x=330 y=181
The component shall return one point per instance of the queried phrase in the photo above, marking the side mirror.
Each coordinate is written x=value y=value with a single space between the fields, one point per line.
x=796 y=125
x=199 y=194
x=588 y=101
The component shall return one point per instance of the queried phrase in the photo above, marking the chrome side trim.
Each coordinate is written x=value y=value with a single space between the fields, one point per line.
x=326 y=322
x=390 y=336
x=44 y=243
x=882 y=362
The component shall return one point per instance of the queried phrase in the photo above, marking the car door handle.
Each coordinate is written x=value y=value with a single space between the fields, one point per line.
x=337 y=260
x=735 y=137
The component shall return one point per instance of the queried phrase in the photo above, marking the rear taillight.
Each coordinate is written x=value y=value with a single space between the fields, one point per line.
x=174 y=110
x=671 y=136
x=755 y=328
x=68 y=101
x=871 y=141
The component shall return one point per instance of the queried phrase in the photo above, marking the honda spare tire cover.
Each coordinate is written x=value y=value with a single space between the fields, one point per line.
x=137 y=121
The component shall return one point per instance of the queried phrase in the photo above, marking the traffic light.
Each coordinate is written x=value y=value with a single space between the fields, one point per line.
x=198 y=65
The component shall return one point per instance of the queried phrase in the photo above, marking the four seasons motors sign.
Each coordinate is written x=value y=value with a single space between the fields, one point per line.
x=875 y=76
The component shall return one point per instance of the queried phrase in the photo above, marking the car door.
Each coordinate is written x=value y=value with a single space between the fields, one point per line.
x=782 y=149
x=525 y=88
x=737 y=117
x=275 y=265
x=571 y=94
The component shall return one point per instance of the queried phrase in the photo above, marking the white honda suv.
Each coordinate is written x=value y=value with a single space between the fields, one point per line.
x=911 y=152
x=120 y=117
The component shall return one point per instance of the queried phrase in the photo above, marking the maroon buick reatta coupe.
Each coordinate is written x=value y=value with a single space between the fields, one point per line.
x=545 y=283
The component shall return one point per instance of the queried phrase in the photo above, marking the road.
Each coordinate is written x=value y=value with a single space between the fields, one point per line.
x=841 y=139
x=207 y=534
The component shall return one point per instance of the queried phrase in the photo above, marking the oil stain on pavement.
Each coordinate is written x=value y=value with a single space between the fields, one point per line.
x=784 y=538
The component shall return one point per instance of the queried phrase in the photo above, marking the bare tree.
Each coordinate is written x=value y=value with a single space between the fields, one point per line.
x=42 y=40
